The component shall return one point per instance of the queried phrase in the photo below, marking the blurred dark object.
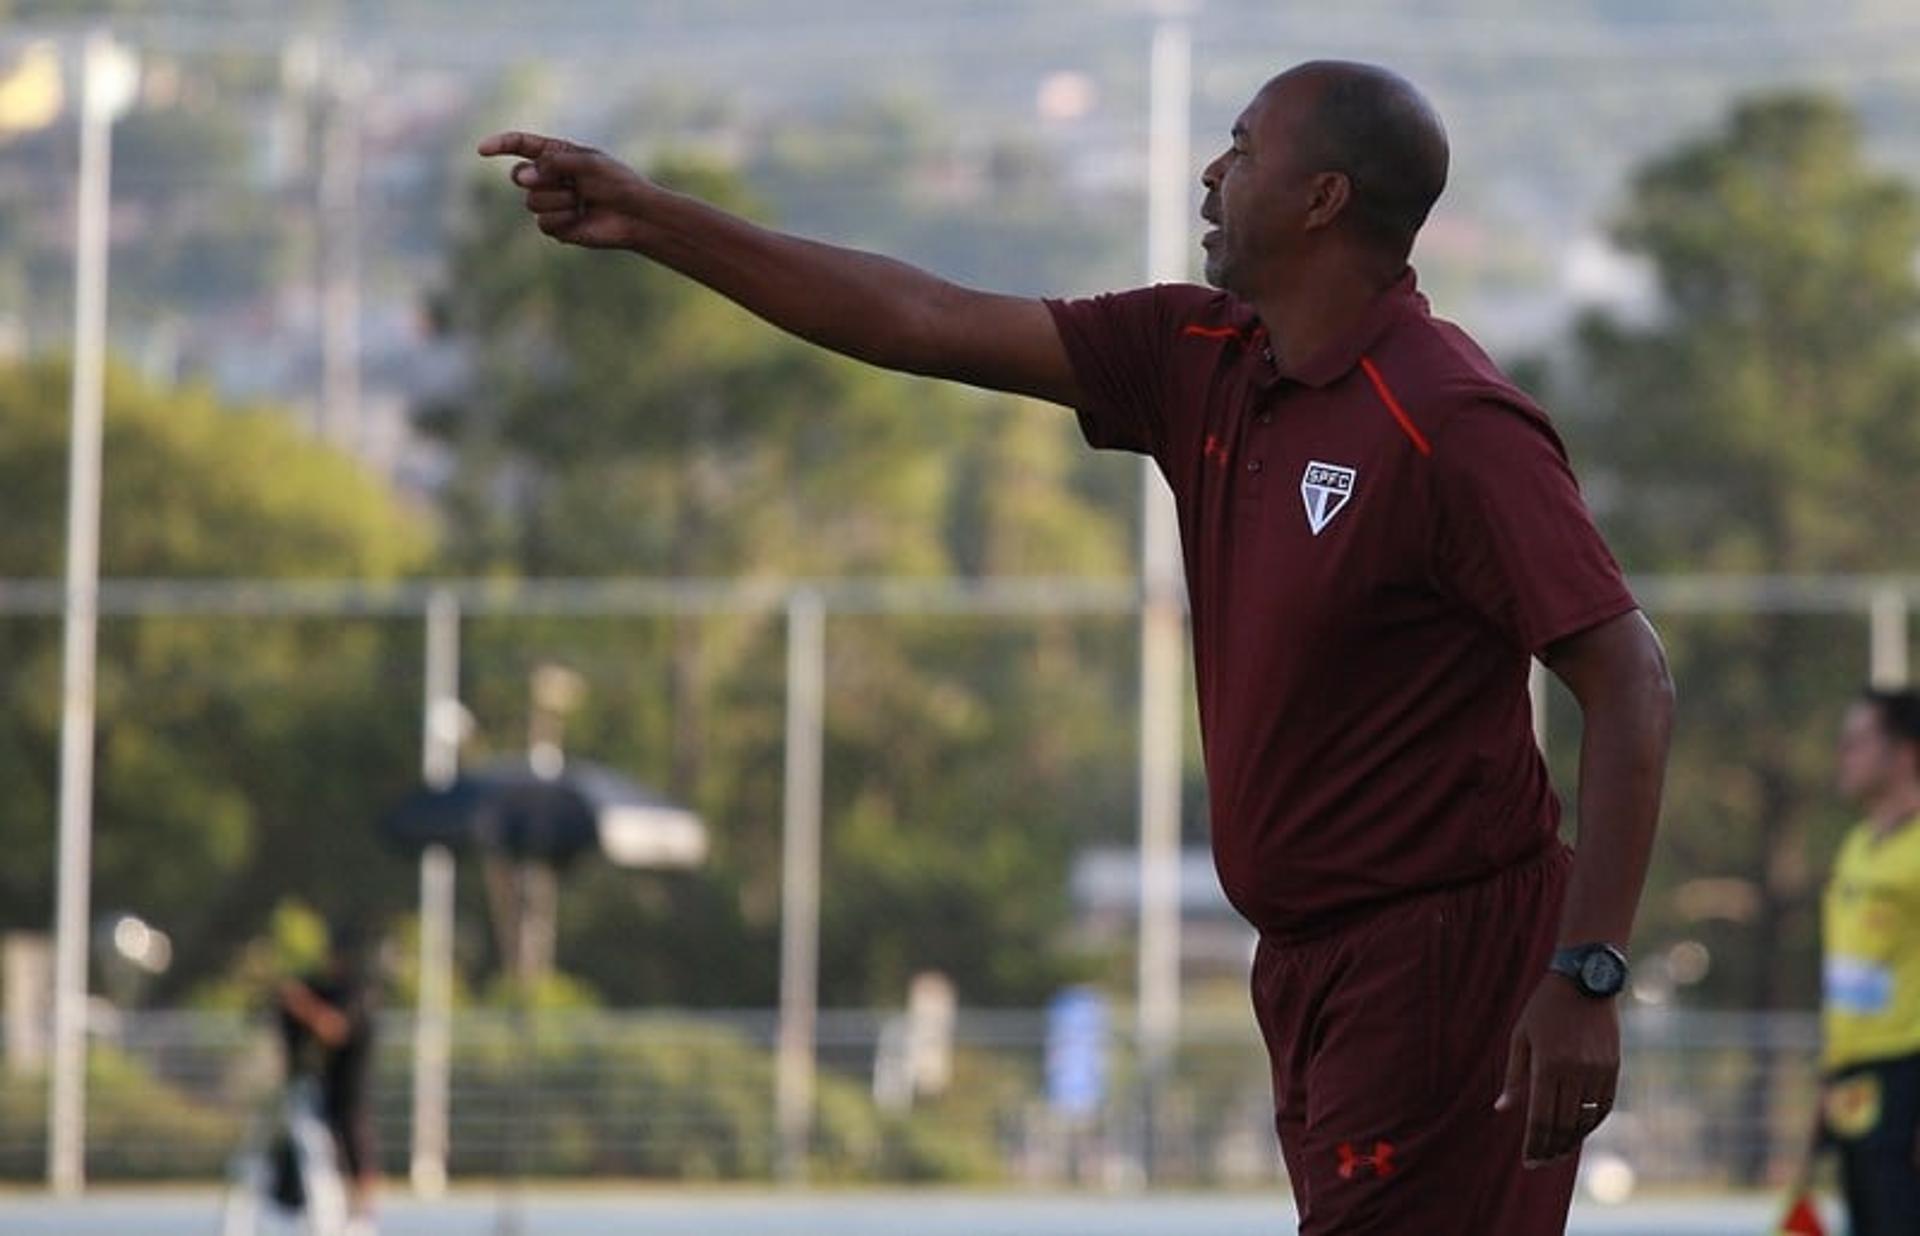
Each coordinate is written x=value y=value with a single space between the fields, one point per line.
x=511 y=808
x=284 y=1184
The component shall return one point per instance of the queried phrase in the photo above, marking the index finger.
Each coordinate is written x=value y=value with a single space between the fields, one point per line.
x=514 y=142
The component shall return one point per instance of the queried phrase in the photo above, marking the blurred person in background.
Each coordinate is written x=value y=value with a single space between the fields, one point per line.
x=1380 y=533
x=326 y=1027
x=1870 y=1110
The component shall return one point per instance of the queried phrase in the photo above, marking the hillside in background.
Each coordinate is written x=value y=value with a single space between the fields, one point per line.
x=1000 y=143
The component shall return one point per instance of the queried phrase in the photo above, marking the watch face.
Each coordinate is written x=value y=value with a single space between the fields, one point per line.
x=1601 y=973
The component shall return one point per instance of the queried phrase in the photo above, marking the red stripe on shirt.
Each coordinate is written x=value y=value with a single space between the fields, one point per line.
x=1393 y=405
x=1215 y=332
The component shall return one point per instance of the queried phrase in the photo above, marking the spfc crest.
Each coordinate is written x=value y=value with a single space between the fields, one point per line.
x=1326 y=489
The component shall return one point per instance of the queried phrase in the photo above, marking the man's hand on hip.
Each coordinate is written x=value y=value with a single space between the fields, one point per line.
x=577 y=194
x=1564 y=1065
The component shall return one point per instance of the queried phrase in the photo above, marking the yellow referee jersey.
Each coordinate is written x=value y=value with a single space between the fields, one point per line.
x=1872 y=946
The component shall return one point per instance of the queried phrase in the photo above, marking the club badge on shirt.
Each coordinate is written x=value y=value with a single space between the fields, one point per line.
x=1326 y=488
x=1852 y=1106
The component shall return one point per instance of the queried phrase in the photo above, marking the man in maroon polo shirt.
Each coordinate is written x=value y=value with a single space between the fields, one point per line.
x=1379 y=532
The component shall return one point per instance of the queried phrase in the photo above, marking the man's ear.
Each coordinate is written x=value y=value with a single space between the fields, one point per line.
x=1328 y=196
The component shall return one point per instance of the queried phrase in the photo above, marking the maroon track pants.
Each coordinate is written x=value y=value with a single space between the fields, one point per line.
x=1389 y=1040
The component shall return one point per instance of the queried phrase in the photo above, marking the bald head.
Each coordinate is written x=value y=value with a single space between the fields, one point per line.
x=1374 y=127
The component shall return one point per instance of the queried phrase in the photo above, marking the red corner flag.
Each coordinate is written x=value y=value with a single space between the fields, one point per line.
x=1801 y=1219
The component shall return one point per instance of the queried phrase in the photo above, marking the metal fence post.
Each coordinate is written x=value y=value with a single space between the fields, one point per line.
x=800 y=882
x=1888 y=648
x=1162 y=628
x=433 y=1019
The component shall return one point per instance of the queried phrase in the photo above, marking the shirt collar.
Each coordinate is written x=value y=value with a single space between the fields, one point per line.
x=1875 y=838
x=1338 y=357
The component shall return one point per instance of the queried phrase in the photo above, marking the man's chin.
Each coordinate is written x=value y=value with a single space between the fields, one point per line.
x=1215 y=273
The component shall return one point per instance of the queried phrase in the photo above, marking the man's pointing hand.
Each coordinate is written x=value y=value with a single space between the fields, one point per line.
x=577 y=194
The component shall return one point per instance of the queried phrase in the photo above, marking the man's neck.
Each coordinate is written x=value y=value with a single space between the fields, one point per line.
x=1316 y=307
x=1894 y=810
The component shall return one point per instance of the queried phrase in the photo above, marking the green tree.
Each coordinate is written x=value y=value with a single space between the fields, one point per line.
x=1763 y=422
x=623 y=422
x=240 y=760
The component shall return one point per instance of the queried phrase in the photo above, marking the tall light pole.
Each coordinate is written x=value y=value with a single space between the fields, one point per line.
x=109 y=74
x=1162 y=620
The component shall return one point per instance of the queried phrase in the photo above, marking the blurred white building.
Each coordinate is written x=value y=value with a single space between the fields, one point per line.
x=1105 y=887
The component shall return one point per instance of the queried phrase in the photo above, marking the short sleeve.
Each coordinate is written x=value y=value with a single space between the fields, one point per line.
x=1118 y=344
x=1516 y=541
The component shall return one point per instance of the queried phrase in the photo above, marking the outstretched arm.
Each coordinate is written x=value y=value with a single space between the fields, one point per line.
x=862 y=305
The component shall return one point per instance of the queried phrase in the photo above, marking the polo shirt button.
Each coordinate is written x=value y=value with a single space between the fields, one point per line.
x=1253 y=465
x=1266 y=418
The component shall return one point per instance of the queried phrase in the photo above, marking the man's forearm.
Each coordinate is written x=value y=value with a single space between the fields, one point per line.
x=1623 y=756
x=862 y=305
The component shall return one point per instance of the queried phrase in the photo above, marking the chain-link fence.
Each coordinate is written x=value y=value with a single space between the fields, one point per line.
x=281 y=716
x=691 y=1098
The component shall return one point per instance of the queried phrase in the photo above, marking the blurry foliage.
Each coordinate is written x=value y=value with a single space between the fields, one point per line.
x=1762 y=423
x=209 y=238
x=620 y=421
x=546 y=993
x=691 y=1101
x=158 y=1130
x=222 y=741
x=292 y=941
x=587 y=1095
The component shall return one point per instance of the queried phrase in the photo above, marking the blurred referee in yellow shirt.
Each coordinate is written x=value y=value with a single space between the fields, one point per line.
x=1871 y=1017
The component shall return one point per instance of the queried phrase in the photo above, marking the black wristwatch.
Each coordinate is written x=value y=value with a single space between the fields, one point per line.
x=1598 y=970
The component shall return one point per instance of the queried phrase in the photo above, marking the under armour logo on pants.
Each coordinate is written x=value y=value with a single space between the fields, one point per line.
x=1354 y=1164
